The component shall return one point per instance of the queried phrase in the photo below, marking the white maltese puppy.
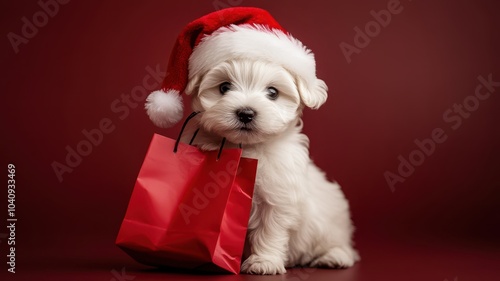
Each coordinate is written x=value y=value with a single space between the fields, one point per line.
x=298 y=217
x=250 y=80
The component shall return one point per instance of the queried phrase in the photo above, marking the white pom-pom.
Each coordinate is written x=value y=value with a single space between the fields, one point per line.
x=165 y=109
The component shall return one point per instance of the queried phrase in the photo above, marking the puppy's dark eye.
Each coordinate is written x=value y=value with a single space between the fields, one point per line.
x=272 y=93
x=224 y=87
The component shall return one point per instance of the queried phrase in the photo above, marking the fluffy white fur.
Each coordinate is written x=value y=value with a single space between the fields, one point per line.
x=164 y=108
x=298 y=217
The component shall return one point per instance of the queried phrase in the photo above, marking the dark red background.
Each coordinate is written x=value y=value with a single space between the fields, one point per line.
x=441 y=222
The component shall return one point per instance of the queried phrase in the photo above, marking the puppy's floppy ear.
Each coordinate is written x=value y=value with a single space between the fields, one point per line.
x=312 y=96
x=193 y=85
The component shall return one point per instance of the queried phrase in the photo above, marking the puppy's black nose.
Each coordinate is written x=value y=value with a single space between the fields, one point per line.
x=245 y=115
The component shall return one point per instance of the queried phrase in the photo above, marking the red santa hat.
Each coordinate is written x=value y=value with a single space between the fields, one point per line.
x=232 y=33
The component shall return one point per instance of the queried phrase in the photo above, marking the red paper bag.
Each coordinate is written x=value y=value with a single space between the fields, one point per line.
x=189 y=209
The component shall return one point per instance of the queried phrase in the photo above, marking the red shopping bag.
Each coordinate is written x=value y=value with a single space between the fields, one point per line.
x=189 y=209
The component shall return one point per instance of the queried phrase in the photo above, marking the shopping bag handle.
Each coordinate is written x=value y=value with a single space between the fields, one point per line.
x=191 y=116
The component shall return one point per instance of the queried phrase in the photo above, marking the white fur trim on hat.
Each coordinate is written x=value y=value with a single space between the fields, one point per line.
x=254 y=41
x=165 y=109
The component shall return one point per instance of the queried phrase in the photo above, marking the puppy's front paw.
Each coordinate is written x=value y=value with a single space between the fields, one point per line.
x=259 y=265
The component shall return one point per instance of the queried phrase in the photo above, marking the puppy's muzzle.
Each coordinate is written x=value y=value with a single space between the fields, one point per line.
x=246 y=115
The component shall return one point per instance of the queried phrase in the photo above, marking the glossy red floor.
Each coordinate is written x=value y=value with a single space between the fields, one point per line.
x=384 y=257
